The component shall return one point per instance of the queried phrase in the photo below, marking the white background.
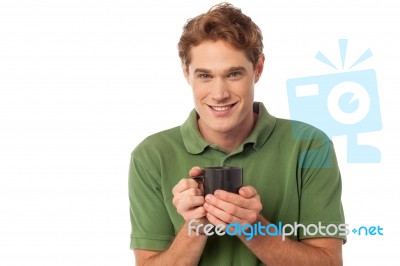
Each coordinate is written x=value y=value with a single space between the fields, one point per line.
x=83 y=82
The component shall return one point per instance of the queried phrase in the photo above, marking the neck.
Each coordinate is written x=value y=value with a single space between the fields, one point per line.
x=229 y=141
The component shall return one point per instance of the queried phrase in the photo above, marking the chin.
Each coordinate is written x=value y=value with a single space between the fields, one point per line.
x=222 y=128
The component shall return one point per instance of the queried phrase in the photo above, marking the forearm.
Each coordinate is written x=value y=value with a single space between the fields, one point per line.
x=272 y=250
x=185 y=249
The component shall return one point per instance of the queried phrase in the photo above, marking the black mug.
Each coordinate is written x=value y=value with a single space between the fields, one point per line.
x=225 y=178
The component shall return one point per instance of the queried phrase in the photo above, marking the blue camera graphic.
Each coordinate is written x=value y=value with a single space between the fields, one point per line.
x=344 y=103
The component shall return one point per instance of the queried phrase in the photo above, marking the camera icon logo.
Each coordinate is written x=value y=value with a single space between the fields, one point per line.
x=345 y=103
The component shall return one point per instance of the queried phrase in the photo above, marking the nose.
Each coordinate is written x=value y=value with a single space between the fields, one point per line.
x=220 y=91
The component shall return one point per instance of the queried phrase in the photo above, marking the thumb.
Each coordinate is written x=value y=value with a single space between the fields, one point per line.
x=195 y=171
x=247 y=192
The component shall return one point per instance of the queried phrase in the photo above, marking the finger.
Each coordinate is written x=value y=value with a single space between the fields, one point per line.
x=214 y=220
x=195 y=171
x=232 y=198
x=184 y=203
x=242 y=216
x=252 y=203
x=184 y=184
x=196 y=213
x=191 y=192
x=218 y=214
x=200 y=184
x=226 y=211
x=247 y=192
x=190 y=196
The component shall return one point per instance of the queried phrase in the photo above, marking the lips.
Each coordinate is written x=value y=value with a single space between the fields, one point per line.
x=222 y=108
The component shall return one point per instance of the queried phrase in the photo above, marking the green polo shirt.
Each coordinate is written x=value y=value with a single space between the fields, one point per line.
x=291 y=164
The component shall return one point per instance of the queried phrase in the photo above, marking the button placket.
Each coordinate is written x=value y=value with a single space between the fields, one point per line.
x=226 y=161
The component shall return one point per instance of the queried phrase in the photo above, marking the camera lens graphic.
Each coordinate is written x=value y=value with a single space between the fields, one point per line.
x=348 y=102
x=344 y=103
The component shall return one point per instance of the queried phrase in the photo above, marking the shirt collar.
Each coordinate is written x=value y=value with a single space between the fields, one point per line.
x=196 y=144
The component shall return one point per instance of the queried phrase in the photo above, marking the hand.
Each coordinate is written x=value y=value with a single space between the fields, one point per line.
x=225 y=208
x=188 y=196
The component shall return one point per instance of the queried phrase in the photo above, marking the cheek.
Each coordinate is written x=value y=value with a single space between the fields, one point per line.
x=196 y=93
x=199 y=91
x=244 y=90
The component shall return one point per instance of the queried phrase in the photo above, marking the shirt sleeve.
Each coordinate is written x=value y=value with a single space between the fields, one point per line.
x=321 y=211
x=151 y=226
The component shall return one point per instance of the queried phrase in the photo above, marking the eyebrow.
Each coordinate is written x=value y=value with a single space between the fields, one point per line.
x=204 y=70
x=201 y=70
x=239 y=68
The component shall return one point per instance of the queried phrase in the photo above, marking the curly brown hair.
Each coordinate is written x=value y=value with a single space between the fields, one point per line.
x=222 y=22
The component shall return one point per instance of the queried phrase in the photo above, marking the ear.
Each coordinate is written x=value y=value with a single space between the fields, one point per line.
x=185 y=70
x=259 y=67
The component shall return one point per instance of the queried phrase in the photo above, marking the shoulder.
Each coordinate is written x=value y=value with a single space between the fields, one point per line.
x=159 y=142
x=162 y=137
x=300 y=131
x=314 y=149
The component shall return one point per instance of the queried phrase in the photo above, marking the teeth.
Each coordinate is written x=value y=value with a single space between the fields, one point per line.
x=221 y=108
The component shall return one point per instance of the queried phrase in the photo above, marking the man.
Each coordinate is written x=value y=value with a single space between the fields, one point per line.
x=290 y=170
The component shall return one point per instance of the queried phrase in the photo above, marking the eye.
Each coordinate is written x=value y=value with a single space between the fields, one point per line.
x=204 y=76
x=235 y=75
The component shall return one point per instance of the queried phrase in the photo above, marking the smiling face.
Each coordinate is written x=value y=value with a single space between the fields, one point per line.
x=222 y=80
